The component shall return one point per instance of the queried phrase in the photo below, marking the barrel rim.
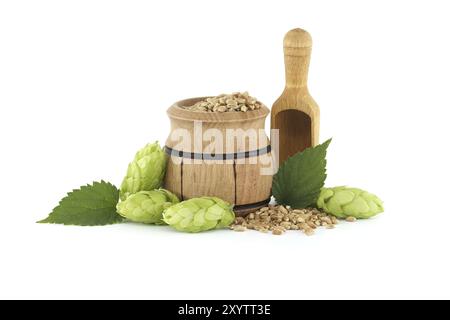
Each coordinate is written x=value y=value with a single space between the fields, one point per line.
x=176 y=112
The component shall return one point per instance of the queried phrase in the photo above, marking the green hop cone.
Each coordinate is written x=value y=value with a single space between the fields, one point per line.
x=147 y=206
x=145 y=172
x=199 y=214
x=344 y=202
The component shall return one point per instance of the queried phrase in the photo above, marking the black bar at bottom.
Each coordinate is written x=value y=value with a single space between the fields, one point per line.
x=230 y=309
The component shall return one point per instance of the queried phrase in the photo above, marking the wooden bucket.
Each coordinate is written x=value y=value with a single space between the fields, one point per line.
x=215 y=154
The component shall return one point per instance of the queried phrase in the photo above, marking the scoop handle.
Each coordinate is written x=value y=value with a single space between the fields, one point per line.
x=297 y=46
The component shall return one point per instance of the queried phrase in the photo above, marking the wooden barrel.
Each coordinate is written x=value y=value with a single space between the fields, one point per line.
x=227 y=155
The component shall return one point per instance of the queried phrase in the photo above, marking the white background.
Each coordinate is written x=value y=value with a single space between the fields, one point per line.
x=84 y=84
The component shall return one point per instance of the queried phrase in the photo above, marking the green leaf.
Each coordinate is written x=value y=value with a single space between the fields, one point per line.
x=300 y=178
x=91 y=205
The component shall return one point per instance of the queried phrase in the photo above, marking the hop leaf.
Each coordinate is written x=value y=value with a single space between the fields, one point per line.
x=300 y=178
x=345 y=202
x=147 y=206
x=91 y=205
x=145 y=172
x=199 y=214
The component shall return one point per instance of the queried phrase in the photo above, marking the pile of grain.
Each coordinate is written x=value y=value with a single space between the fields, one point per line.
x=235 y=102
x=278 y=219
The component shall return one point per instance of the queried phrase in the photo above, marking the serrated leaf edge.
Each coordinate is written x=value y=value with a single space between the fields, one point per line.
x=80 y=189
x=283 y=198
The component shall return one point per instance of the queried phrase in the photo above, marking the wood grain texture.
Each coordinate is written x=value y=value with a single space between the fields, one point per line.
x=209 y=179
x=251 y=185
x=238 y=181
x=295 y=114
x=173 y=178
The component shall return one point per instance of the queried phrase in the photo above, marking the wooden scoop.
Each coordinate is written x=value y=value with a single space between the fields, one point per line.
x=295 y=114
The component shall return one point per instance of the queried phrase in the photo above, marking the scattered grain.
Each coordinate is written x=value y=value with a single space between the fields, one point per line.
x=239 y=228
x=279 y=219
